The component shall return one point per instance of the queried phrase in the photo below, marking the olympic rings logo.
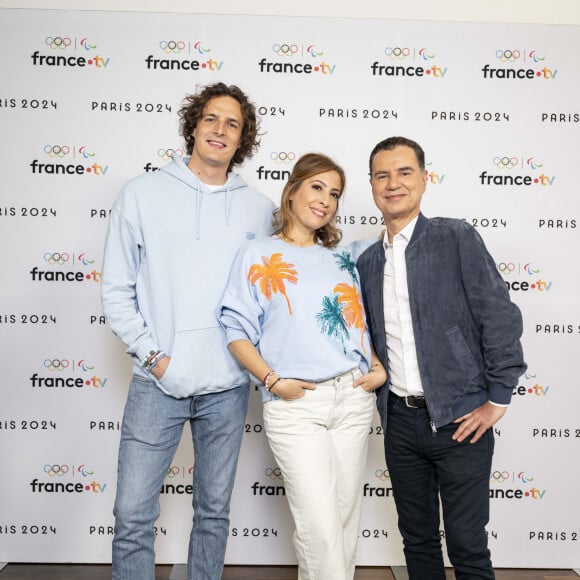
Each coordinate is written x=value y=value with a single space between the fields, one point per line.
x=506 y=267
x=282 y=156
x=56 y=364
x=397 y=53
x=500 y=476
x=507 y=55
x=273 y=473
x=166 y=154
x=505 y=162
x=56 y=258
x=56 y=150
x=382 y=474
x=172 y=45
x=57 y=42
x=173 y=471
x=55 y=469
x=285 y=49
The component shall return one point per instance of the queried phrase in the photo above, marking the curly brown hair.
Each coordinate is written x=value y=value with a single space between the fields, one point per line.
x=192 y=110
x=308 y=165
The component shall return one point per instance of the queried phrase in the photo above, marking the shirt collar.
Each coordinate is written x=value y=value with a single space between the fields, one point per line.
x=406 y=233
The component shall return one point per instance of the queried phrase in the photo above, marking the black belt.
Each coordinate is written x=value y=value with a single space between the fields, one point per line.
x=411 y=401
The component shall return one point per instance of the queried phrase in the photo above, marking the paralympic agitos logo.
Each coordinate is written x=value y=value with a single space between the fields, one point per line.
x=55 y=262
x=68 y=160
x=406 y=61
x=69 y=51
x=290 y=57
x=188 y=55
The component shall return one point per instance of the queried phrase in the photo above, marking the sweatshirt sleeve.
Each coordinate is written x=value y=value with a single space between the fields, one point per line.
x=241 y=314
x=122 y=261
x=498 y=318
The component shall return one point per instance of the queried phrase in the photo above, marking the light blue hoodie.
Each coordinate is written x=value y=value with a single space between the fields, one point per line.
x=170 y=245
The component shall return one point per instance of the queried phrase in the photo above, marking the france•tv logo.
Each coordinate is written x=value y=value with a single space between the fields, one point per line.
x=533 y=388
x=433 y=177
x=286 y=53
x=62 y=372
x=80 y=161
x=525 y=269
x=281 y=159
x=401 y=61
x=519 y=65
x=61 y=476
x=54 y=259
x=183 y=48
x=61 y=47
x=500 y=478
x=506 y=167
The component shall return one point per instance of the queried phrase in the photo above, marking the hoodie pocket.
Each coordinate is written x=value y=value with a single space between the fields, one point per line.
x=201 y=362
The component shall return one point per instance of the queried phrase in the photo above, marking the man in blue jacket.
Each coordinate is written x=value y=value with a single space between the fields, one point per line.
x=172 y=238
x=442 y=321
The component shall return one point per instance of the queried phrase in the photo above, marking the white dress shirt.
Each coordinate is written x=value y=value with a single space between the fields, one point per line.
x=401 y=353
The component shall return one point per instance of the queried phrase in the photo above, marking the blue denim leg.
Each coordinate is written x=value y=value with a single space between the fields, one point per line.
x=152 y=428
x=217 y=427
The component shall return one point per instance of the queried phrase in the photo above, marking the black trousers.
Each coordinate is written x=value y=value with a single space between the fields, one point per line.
x=423 y=468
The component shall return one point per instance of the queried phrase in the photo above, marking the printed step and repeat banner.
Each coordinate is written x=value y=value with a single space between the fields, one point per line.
x=90 y=99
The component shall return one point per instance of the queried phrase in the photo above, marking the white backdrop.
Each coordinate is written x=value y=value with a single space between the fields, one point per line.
x=90 y=99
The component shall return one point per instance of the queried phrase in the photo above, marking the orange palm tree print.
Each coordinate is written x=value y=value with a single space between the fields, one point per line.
x=271 y=274
x=353 y=310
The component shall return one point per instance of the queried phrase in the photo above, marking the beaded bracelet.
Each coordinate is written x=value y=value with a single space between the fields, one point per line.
x=267 y=376
x=272 y=385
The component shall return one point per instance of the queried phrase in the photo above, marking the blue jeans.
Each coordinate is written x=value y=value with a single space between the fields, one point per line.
x=422 y=468
x=152 y=428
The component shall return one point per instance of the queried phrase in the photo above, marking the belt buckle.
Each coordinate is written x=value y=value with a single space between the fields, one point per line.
x=407 y=397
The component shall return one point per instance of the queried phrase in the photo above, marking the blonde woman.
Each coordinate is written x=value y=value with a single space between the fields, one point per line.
x=294 y=318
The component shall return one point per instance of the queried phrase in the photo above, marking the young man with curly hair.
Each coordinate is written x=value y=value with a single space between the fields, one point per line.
x=172 y=237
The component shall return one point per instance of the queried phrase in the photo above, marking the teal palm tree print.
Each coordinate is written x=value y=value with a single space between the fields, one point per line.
x=331 y=320
x=344 y=262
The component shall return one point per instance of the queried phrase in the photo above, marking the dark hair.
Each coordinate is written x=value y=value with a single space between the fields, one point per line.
x=192 y=110
x=391 y=143
x=308 y=165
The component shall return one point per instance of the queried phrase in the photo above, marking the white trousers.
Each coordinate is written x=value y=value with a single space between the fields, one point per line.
x=320 y=444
